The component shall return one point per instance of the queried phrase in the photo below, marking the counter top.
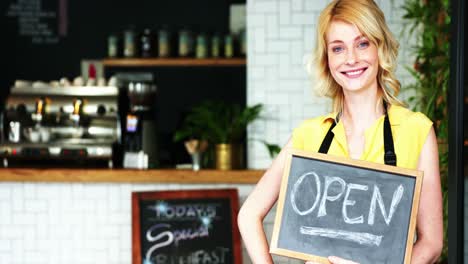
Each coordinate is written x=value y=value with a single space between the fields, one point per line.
x=130 y=176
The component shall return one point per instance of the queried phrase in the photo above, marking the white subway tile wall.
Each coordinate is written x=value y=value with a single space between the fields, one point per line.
x=91 y=223
x=74 y=222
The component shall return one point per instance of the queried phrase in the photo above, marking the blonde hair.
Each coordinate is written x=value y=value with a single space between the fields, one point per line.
x=370 y=20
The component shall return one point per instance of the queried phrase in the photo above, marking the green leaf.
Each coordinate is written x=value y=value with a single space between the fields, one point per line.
x=218 y=122
x=430 y=20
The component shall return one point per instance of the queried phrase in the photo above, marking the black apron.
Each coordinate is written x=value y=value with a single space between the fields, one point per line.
x=389 y=156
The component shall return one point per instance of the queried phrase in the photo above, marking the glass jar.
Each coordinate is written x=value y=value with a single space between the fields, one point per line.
x=129 y=43
x=215 y=45
x=228 y=46
x=112 y=46
x=164 y=46
x=201 y=50
x=185 y=43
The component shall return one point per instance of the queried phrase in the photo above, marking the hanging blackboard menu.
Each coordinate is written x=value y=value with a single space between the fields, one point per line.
x=41 y=21
x=190 y=226
x=357 y=210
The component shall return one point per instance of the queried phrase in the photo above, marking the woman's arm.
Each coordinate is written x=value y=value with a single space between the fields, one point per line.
x=257 y=206
x=429 y=242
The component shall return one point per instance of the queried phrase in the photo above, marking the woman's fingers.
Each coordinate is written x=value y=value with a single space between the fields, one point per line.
x=334 y=260
x=337 y=260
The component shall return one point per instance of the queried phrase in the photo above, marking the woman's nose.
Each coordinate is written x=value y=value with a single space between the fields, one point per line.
x=351 y=57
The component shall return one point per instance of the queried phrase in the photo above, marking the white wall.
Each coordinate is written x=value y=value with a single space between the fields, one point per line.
x=281 y=36
x=73 y=222
x=91 y=223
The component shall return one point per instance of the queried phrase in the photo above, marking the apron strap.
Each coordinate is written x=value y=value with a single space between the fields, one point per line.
x=327 y=140
x=389 y=155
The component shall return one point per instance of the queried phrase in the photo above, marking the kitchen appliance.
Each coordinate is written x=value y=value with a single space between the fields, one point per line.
x=140 y=142
x=60 y=126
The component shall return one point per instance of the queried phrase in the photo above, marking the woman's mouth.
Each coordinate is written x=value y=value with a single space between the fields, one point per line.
x=354 y=73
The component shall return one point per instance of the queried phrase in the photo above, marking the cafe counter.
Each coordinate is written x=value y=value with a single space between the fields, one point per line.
x=131 y=176
x=85 y=215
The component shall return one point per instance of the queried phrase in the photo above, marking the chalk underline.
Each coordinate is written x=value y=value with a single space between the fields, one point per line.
x=358 y=237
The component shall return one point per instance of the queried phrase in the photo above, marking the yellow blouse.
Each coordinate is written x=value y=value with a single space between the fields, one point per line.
x=409 y=130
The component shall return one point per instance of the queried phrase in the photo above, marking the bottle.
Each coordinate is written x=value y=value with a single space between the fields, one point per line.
x=215 y=45
x=164 y=46
x=201 y=50
x=112 y=46
x=228 y=46
x=129 y=43
x=185 y=43
x=147 y=43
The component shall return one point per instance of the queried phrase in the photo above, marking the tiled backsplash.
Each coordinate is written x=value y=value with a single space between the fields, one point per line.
x=74 y=222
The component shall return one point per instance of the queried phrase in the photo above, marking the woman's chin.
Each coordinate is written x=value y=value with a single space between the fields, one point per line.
x=356 y=86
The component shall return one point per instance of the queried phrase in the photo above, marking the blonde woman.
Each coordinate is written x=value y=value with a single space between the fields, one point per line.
x=355 y=60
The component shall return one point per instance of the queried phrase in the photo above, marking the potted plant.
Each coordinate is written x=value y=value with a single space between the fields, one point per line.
x=431 y=21
x=223 y=126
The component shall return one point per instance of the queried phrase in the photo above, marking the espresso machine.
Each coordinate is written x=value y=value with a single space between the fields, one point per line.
x=60 y=126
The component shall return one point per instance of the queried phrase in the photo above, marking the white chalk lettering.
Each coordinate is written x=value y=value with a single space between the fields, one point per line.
x=377 y=197
x=190 y=234
x=165 y=210
x=333 y=192
x=358 y=237
x=346 y=202
x=218 y=255
x=328 y=181
x=295 y=190
x=151 y=238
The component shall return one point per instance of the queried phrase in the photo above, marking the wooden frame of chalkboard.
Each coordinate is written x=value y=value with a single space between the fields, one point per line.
x=304 y=233
x=204 y=218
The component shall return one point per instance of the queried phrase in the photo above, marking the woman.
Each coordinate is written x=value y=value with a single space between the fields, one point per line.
x=355 y=59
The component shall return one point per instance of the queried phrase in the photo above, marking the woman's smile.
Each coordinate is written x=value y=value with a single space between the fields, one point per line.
x=354 y=73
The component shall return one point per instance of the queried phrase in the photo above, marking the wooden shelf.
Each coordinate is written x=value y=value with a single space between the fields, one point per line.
x=173 y=62
x=130 y=176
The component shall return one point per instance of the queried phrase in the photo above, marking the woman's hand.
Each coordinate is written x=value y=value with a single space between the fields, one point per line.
x=335 y=260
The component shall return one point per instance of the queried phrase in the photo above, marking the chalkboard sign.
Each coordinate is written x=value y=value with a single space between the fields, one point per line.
x=357 y=210
x=190 y=226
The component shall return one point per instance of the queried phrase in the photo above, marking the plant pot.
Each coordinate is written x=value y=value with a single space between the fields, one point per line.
x=229 y=156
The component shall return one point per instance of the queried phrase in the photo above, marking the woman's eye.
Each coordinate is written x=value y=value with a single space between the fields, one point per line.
x=363 y=44
x=337 y=49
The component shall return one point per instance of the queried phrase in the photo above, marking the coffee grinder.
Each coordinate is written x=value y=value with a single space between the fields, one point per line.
x=140 y=140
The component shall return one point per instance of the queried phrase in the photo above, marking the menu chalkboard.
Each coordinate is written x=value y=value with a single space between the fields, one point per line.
x=42 y=23
x=361 y=211
x=190 y=226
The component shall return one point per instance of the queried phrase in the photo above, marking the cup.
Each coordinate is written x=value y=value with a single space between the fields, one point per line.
x=14 y=134
x=32 y=135
x=44 y=134
x=196 y=161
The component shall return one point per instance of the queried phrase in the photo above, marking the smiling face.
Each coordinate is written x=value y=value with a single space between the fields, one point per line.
x=352 y=58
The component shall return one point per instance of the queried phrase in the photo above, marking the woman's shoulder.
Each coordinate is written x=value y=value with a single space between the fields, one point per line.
x=402 y=116
x=410 y=130
x=311 y=130
x=316 y=121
